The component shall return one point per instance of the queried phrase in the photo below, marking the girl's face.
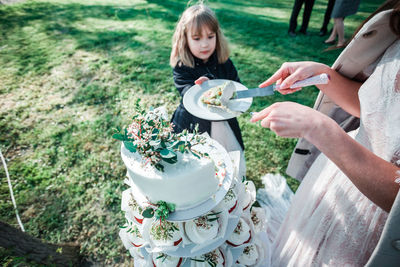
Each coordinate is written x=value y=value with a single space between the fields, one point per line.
x=202 y=44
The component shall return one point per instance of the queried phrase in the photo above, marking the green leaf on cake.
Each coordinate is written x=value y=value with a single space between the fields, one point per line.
x=159 y=167
x=119 y=136
x=167 y=154
x=148 y=213
x=154 y=143
x=131 y=147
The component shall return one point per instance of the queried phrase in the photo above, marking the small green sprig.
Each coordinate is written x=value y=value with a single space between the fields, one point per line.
x=164 y=230
x=131 y=228
x=211 y=258
x=161 y=210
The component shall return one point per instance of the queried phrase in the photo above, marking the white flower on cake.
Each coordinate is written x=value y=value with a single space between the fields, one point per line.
x=212 y=259
x=249 y=256
x=202 y=229
x=164 y=260
x=165 y=234
x=258 y=218
x=241 y=235
x=229 y=202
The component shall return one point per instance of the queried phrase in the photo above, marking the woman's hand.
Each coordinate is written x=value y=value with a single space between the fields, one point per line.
x=201 y=80
x=289 y=119
x=291 y=72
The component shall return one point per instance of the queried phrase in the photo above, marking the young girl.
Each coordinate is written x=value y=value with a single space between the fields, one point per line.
x=200 y=52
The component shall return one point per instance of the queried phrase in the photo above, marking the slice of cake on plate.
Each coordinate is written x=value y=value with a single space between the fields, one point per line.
x=219 y=96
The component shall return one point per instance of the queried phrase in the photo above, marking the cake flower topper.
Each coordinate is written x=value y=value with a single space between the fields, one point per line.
x=151 y=135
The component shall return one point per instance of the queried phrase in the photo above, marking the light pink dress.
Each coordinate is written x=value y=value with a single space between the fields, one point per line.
x=330 y=222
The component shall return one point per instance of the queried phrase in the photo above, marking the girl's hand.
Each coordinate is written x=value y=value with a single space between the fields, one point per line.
x=201 y=80
x=289 y=119
x=291 y=72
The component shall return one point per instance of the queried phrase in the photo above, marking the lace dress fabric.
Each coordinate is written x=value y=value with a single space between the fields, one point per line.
x=330 y=222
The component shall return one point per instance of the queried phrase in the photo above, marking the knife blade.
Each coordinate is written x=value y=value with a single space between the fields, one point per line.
x=269 y=90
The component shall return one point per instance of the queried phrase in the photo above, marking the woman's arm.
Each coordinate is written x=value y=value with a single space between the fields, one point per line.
x=343 y=91
x=372 y=175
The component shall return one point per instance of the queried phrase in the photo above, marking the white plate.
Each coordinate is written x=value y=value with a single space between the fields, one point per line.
x=193 y=104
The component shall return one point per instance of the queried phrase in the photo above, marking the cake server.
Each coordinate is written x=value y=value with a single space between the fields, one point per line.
x=269 y=90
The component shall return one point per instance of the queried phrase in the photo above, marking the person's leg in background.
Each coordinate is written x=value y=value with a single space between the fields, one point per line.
x=327 y=17
x=293 y=18
x=308 y=6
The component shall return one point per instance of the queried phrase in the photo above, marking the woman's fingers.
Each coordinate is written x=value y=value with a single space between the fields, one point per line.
x=256 y=116
x=297 y=75
x=201 y=80
x=277 y=76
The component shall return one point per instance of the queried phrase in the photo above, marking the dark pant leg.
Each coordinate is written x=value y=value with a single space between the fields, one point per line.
x=327 y=16
x=295 y=13
x=307 y=14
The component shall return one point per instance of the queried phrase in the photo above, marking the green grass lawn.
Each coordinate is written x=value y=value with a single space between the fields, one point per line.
x=71 y=71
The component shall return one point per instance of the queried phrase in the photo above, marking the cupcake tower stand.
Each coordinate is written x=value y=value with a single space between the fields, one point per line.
x=225 y=230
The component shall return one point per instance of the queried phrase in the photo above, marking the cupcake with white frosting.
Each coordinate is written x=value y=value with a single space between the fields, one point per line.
x=214 y=258
x=249 y=196
x=135 y=209
x=249 y=256
x=165 y=234
x=229 y=202
x=258 y=218
x=164 y=260
x=134 y=236
x=202 y=229
x=241 y=235
x=131 y=235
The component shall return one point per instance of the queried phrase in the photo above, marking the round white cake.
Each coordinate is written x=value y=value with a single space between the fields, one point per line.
x=188 y=182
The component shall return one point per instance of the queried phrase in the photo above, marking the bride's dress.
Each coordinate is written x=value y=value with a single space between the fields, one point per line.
x=330 y=222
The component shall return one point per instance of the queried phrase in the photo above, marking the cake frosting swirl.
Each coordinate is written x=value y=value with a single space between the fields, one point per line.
x=202 y=229
x=241 y=234
x=249 y=255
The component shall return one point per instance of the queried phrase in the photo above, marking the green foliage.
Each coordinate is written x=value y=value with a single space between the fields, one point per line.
x=71 y=72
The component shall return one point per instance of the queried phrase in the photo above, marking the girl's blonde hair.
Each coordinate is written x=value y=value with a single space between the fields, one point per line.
x=196 y=17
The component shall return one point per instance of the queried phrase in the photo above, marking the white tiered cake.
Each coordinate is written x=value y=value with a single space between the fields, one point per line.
x=185 y=206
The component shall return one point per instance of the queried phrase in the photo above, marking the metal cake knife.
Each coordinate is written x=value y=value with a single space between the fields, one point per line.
x=269 y=90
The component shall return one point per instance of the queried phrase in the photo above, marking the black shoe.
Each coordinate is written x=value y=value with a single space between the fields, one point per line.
x=304 y=32
x=323 y=32
x=292 y=34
